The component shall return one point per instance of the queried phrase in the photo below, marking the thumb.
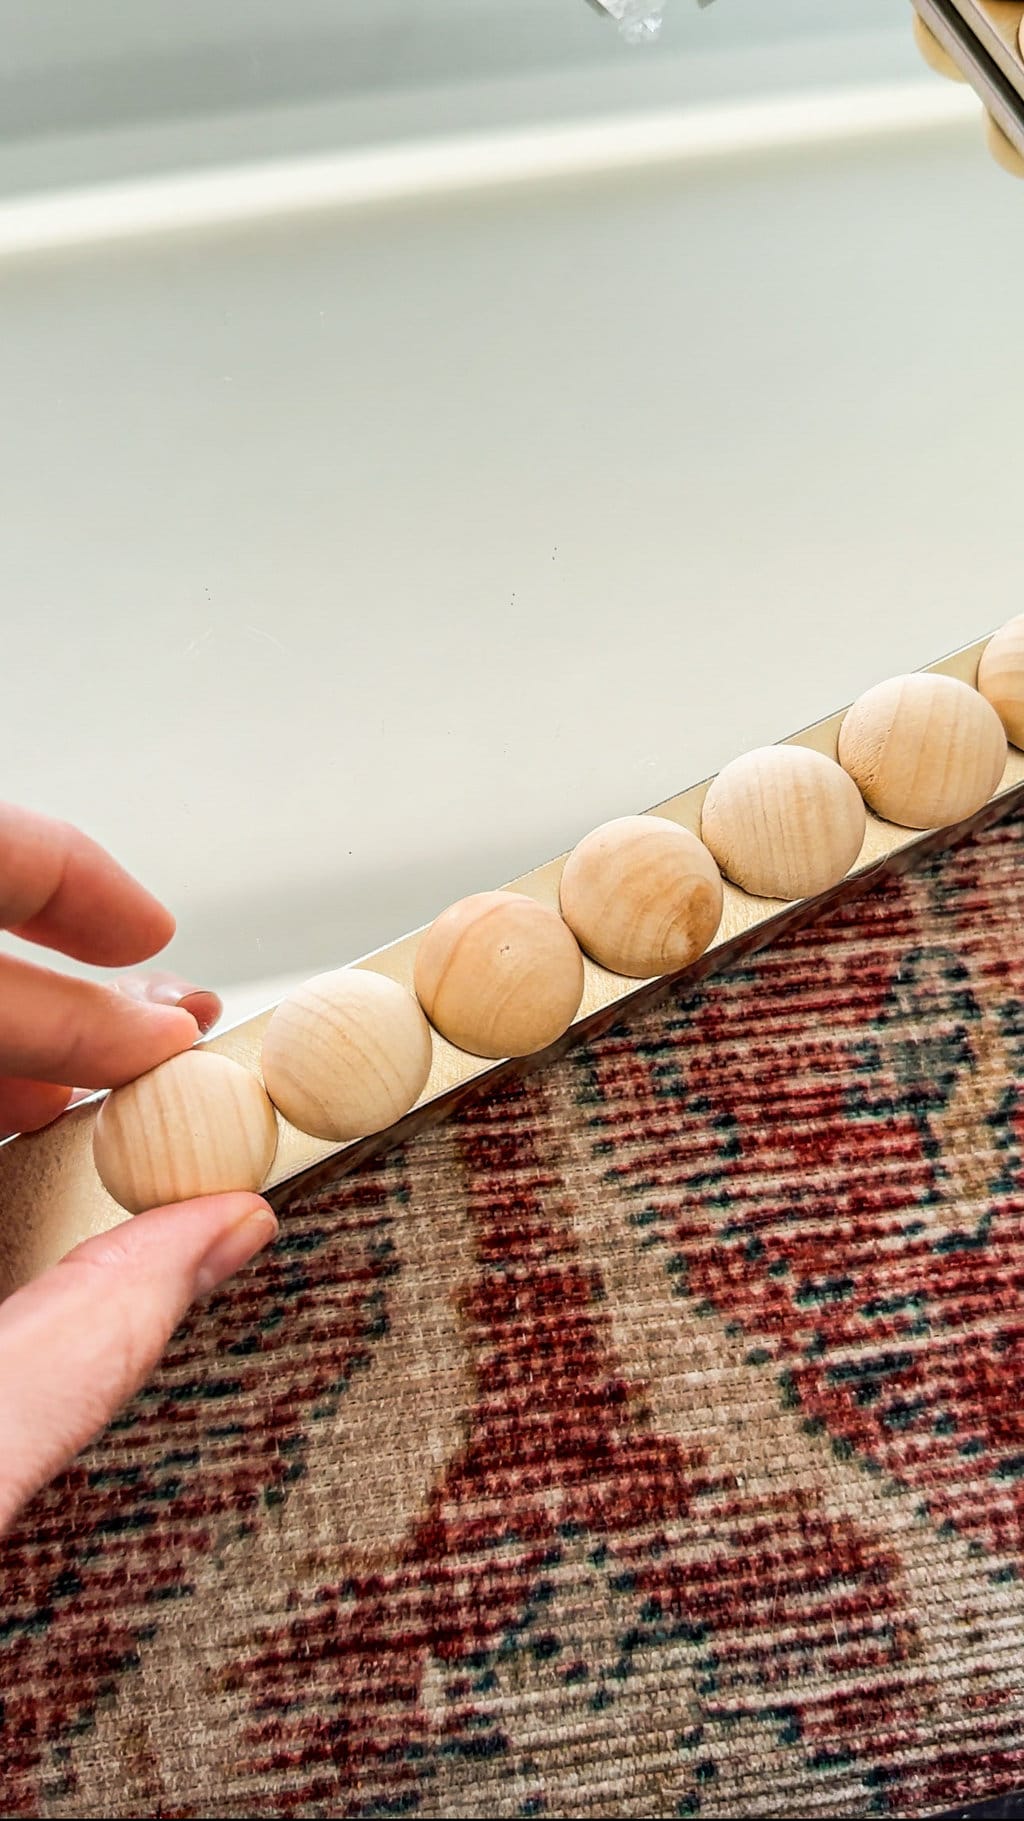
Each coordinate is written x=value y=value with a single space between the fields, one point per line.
x=78 y=1341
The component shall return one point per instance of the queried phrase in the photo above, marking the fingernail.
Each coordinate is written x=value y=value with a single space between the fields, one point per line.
x=205 y=1007
x=167 y=989
x=233 y=1249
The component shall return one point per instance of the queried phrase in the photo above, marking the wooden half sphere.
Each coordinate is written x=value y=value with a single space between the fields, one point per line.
x=925 y=750
x=499 y=975
x=1001 y=677
x=346 y=1054
x=196 y=1125
x=1002 y=149
x=642 y=895
x=935 y=54
x=783 y=822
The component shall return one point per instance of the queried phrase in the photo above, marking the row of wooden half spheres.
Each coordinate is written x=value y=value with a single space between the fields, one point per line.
x=498 y=974
x=938 y=58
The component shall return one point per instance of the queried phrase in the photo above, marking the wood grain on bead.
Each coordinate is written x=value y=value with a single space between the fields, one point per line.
x=926 y=751
x=1001 y=677
x=346 y=1054
x=783 y=822
x=499 y=974
x=53 y=1198
x=642 y=895
x=196 y=1125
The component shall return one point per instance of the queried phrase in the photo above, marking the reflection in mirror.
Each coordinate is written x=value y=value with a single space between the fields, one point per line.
x=427 y=439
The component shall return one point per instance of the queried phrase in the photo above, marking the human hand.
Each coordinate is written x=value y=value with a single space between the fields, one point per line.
x=76 y=1343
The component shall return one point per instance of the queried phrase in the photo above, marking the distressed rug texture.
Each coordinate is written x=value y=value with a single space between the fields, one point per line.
x=648 y=1441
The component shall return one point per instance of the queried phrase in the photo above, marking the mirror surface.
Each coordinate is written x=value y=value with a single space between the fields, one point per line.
x=426 y=439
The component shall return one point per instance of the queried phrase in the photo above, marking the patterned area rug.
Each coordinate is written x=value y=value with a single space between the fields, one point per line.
x=646 y=1441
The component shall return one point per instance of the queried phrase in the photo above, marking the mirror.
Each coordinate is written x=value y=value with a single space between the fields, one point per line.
x=434 y=428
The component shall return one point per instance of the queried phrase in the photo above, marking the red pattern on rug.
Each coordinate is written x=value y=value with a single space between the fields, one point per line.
x=727 y=1509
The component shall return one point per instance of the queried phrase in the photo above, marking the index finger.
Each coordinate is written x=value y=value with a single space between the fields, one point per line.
x=59 y=888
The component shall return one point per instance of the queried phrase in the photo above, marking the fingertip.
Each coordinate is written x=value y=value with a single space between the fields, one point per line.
x=133 y=938
x=167 y=1031
x=205 y=1007
x=177 y=1022
x=170 y=989
x=222 y=1210
x=154 y=927
x=237 y=1244
x=165 y=923
x=195 y=1241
